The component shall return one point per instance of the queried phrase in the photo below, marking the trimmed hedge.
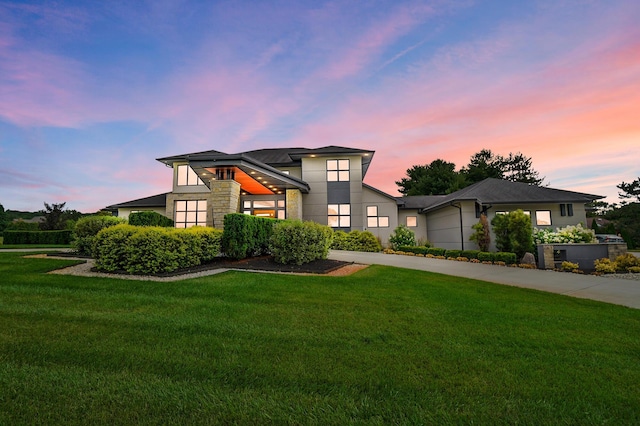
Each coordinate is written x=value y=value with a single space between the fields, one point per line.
x=414 y=249
x=485 y=256
x=356 y=241
x=455 y=253
x=246 y=236
x=63 y=237
x=297 y=242
x=149 y=219
x=86 y=230
x=470 y=254
x=154 y=249
x=506 y=257
x=435 y=251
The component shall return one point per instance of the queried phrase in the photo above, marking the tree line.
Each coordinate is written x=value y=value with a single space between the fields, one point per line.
x=440 y=177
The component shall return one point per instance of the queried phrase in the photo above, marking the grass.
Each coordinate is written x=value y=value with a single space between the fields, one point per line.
x=385 y=345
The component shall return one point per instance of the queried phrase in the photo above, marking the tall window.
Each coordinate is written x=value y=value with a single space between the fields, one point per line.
x=337 y=170
x=375 y=221
x=187 y=177
x=190 y=213
x=339 y=215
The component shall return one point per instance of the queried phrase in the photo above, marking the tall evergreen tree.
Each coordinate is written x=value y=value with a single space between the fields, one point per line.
x=437 y=178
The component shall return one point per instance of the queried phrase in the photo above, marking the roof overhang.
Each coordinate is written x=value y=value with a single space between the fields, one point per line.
x=254 y=177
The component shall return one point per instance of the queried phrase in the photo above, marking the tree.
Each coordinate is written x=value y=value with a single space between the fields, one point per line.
x=483 y=165
x=53 y=217
x=3 y=218
x=482 y=234
x=630 y=190
x=516 y=168
x=437 y=178
x=513 y=232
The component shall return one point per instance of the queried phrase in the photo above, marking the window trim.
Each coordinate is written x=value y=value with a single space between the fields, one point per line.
x=406 y=221
x=200 y=213
x=342 y=215
x=538 y=219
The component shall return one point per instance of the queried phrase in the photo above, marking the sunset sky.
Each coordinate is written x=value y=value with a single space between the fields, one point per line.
x=91 y=93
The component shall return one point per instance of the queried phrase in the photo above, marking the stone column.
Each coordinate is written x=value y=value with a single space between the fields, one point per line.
x=224 y=198
x=294 y=204
x=548 y=261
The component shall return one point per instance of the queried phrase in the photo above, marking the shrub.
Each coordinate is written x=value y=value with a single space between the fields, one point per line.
x=508 y=258
x=149 y=219
x=485 y=256
x=566 y=235
x=569 y=266
x=246 y=236
x=402 y=236
x=86 y=230
x=297 y=242
x=482 y=233
x=626 y=261
x=110 y=247
x=154 y=249
x=605 y=266
x=37 y=237
x=414 y=249
x=453 y=253
x=471 y=254
x=435 y=251
x=513 y=232
x=355 y=241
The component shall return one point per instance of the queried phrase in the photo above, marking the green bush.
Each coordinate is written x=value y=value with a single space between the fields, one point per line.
x=436 y=251
x=513 y=233
x=149 y=219
x=470 y=254
x=110 y=247
x=355 y=240
x=37 y=237
x=453 y=253
x=402 y=236
x=297 y=242
x=154 y=249
x=508 y=258
x=485 y=256
x=246 y=236
x=414 y=249
x=86 y=230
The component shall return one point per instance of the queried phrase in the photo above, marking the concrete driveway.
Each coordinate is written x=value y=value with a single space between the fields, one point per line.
x=605 y=289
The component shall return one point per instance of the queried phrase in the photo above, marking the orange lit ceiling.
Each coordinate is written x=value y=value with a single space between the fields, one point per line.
x=247 y=183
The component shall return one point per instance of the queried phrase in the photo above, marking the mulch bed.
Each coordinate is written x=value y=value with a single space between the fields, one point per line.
x=262 y=263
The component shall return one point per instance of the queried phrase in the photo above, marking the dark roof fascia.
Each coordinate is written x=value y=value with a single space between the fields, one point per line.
x=186 y=157
x=159 y=200
x=242 y=160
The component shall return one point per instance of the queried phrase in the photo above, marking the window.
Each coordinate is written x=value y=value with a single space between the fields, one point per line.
x=337 y=170
x=543 y=217
x=375 y=221
x=339 y=215
x=187 y=177
x=566 y=209
x=265 y=208
x=412 y=221
x=190 y=213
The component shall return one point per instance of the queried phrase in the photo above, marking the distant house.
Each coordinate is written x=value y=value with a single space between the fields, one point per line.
x=326 y=185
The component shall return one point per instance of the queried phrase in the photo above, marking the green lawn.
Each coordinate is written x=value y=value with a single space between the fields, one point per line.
x=384 y=346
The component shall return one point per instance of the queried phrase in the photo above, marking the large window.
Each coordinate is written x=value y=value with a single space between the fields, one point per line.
x=375 y=221
x=543 y=217
x=187 y=177
x=339 y=215
x=265 y=208
x=337 y=170
x=190 y=213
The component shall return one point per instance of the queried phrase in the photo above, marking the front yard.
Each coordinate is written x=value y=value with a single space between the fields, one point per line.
x=382 y=346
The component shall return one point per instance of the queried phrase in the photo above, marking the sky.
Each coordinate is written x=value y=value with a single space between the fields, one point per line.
x=91 y=93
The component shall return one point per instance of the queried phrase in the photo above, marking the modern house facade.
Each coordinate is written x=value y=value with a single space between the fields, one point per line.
x=326 y=185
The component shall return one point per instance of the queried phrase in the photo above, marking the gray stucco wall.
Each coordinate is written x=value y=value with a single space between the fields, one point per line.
x=386 y=207
x=443 y=226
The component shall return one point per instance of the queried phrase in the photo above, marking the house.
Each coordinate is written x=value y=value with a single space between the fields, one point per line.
x=326 y=185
